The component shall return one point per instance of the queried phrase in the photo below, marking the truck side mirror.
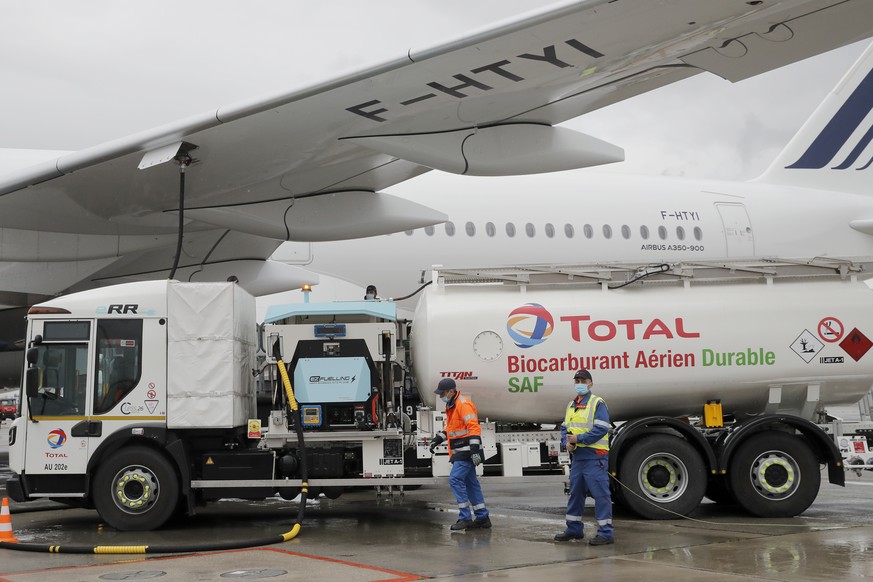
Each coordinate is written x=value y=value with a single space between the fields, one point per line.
x=37 y=340
x=32 y=356
x=31 y=382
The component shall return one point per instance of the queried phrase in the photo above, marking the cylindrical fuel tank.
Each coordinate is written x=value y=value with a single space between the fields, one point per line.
x=783 y=345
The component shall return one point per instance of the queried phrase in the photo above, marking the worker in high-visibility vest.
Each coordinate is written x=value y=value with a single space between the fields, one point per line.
x=465 y=454
x=585 y=434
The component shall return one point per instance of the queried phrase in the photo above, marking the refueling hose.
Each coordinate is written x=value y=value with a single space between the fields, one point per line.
x=208 y=547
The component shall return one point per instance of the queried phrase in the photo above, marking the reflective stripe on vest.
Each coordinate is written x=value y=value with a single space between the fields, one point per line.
x=578 y=421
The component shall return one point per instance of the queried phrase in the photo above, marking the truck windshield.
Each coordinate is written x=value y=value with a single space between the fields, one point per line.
x=62 y=389
x=119 y=361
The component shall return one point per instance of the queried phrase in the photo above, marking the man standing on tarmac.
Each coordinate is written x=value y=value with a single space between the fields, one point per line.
x=465 y=454
x=585 y=433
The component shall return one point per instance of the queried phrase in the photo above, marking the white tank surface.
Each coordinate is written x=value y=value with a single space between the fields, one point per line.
x=665 y=345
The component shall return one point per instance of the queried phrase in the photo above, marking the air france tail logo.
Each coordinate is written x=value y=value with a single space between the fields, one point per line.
x=529 y=325
x=836 y=134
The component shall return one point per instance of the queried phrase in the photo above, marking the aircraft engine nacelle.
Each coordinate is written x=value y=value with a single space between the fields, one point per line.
x=500 y=150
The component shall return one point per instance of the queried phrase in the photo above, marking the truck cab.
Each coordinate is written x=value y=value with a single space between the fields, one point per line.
x=89 y=376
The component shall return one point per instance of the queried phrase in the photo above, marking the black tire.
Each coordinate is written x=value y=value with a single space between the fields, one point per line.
x=717 y=490
x=135 y=489
x=774 y=474
x=664 y=477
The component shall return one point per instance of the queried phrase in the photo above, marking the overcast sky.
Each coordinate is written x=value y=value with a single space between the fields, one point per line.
x=76 y=74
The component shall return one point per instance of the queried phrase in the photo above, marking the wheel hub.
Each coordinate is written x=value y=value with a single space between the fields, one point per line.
x=135 y=490
x=663 y=478
x=775 y=475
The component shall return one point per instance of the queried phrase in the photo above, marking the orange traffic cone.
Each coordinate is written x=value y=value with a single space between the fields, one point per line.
x=6 y=523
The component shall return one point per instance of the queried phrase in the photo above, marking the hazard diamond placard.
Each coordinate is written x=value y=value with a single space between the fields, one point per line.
x=856 y=344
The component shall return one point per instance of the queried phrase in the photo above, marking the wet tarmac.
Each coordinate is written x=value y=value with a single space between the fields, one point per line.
x=364 y=537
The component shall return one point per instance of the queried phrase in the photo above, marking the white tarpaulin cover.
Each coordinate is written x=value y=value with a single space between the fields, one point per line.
x=210 y=355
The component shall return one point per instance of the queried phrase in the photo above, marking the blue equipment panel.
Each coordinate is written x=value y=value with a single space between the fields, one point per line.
x=332 y=380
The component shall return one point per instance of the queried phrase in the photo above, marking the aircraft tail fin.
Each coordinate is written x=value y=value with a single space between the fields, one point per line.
x=833 y=149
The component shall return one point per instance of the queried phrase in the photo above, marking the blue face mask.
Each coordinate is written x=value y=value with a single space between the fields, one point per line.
x=581 y=389
x=444 y=399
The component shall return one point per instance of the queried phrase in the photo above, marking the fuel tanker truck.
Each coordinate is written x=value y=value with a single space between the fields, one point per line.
x=146 y=399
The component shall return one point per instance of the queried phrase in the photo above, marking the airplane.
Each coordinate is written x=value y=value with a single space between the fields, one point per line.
x=813 y=201
x=212 y=196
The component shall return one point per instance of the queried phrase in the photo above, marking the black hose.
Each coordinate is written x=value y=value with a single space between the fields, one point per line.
x=414 y=293
x=182 y=165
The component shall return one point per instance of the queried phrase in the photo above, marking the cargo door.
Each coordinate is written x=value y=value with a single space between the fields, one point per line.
x=57 y=444
x=739 y=238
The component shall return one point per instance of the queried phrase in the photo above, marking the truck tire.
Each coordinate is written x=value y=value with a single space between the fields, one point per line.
x=663 y=475
x=135 y=489
x=774 y=474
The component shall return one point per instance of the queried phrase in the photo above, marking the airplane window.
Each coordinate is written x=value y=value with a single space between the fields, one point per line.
x=530 y=230
x=510 y=229
x=680 y=233
x=644 y=232
x=569 y=230
x=428 y=230
x=625 y=231
x=409 y=232
x=588 y=230
x=607 y=231
x=550 y=230
x=470 y=228
x=450 y=228
x=662 y=232
x=489 y=229
x=698 y=234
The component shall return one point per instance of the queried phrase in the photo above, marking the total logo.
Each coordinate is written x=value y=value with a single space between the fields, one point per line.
x=529 y=325
x=57 y=438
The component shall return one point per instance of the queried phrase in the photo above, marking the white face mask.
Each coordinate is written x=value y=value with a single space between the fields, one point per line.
x=371 y=295
x=445 y=399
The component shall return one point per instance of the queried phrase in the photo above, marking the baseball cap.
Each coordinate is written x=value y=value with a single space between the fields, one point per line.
x=582 y=375
x=445 y=385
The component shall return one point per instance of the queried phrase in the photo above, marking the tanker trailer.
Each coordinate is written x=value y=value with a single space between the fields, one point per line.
x=715 y=372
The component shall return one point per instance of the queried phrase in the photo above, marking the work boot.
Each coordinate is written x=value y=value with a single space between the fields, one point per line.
x=461 y=524
x=600 y=541
x=566 y=537
x=484 y=523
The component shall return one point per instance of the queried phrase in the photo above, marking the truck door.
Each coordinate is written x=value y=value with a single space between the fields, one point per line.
x=56 y=453
x=739 y=239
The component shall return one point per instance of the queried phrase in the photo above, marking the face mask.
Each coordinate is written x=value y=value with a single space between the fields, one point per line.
x=371 y=296
x=445 y=399
x=581 y=389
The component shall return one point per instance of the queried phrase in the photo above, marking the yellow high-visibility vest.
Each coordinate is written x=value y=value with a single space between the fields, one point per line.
x=579 y=421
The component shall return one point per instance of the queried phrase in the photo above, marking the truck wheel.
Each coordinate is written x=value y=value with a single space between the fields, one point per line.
x=664 y=476
x=774 y=474
x=135 y=489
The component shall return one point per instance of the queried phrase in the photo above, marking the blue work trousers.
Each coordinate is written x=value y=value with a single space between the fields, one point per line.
x=589 y=474
x=465 y=486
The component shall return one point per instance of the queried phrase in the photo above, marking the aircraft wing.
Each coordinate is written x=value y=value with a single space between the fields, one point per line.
x=309 y=164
